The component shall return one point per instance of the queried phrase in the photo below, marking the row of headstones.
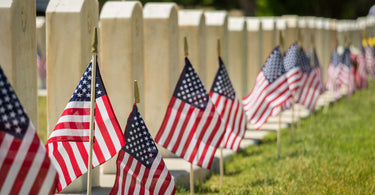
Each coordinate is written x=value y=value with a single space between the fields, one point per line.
x=146 y=44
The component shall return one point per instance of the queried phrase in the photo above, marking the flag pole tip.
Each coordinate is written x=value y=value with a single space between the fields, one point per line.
x=186 y=49
x=94 y=42
x=136 y=92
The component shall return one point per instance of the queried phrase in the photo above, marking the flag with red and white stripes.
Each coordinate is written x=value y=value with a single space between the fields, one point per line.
x=293 y=75
x=192 y=128
x=293 y=68
x=271 y=90
x=362 y=71
x=309 y=92
x=318 y=69
x=346 y=78
x=229 y=107
x=68 y=144
x=25 y=167
x=333 y=73
x=140 y=167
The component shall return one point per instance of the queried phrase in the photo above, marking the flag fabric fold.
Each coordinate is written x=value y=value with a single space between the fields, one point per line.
x=271 y=90
x=229 y=107
x=68 y=144
x=25 y=167
x=140 y=167
x=346 y=78
x=192 y=128
x=309 y=92
x=318 y=69
x=333 y=73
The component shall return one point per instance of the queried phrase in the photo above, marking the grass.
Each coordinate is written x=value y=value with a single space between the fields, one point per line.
x=332 y=153
x=42 y=118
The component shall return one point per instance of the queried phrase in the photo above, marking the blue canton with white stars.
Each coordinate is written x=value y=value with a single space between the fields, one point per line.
x=138 y=141
x=335 y=59
x=190 y=88
x=291 y=57
x=273 y=68
x=345 y=57
x=222 y=84
x=83 y=90
x=304 y=61
x=13 y=118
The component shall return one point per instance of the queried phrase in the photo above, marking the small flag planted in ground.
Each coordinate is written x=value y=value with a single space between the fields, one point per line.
x=293 y=68
x=271 y=90
x=309 y=92
x=362 y=71
x=229 y=107
x=140 y=167
x=345 y=73
x=25 y=167
x=333 y=72
x=192 y=128
x=318 y=69
x=68 y=145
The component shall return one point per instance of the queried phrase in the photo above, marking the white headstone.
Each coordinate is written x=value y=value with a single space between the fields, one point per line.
x=69 y=28
x=255 y=51
x=192 y=25
x=18 y=51
x=216 y=28
x=162 y=66
x=268 y=36
x=121 y=45
x=237 y=49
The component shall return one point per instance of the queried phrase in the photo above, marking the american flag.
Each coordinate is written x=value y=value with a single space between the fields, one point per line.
x=293 y=75
x=309 y=92
x=271 y=90
x=318 y=69
x=362 y=71
x=370 y=61
x=293 y=68
x=25 y=167
x=68 y=144
x=140 y=167
x=345 y=76
x=229 y=107
x=192 y=128
x=333 y=72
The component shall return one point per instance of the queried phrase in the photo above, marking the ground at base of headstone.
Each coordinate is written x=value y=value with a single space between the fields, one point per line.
x=332 y=153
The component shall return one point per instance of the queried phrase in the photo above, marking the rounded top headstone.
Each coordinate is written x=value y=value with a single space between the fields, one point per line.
x=159 y=10
x=236 y=23
x=65 y=5
x=253 y=23
x=302 y=22
x=268 y=23
x=281 y=24
x=190 y=17
x=292 y=20
x=216 y=18
x=327 y=23
x=119 y=9
x=319 y=23
x=40 y=21
x=311 y=23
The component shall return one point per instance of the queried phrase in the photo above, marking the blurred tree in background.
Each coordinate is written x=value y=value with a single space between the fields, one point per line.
x=340 y=9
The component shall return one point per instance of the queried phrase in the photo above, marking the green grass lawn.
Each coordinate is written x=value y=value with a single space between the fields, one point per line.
x=333 y=155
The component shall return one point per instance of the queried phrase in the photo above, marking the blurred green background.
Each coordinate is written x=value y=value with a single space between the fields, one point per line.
x=339 y=9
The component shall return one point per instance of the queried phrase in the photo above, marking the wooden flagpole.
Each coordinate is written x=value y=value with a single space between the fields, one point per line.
x=136 y=93
x=281 y=45
x=221 y=147
x=300 y=46
x=186 y=50
x=94 y=51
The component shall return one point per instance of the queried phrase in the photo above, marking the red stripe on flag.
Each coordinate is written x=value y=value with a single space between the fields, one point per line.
x=175 y=122
x=165 y=122
x=183 y=128
x=8 y=161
